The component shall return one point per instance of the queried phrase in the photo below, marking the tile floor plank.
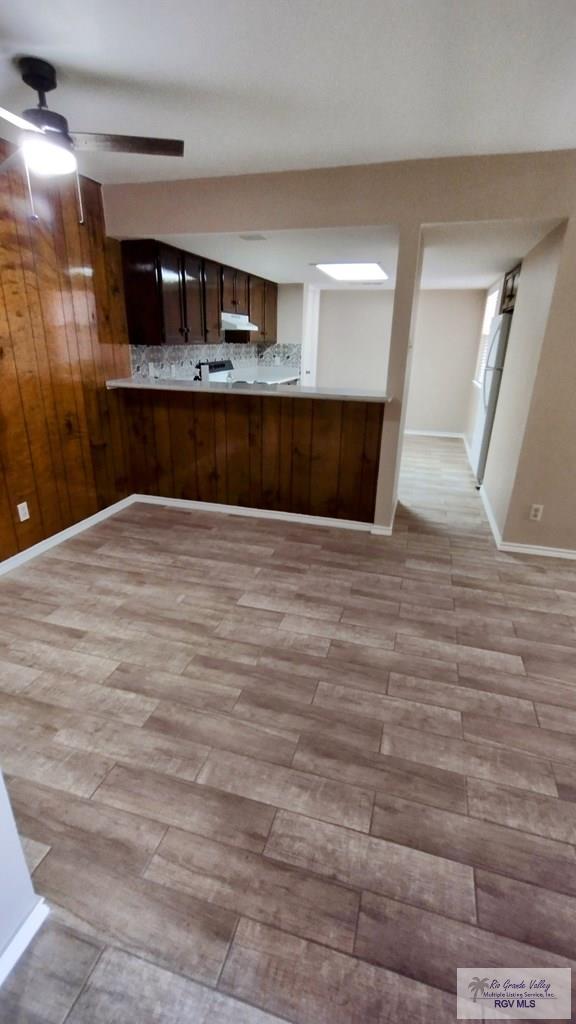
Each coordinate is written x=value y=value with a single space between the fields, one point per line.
x=309 y=984
x=335 y=760
x=203 y=809
x=288 y=788
x=374 y=864
x=480 y=844
x=256 y=886
x=144 y=990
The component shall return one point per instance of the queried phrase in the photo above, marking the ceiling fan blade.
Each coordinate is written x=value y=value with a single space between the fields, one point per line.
x=19 y=122
x=127 y=144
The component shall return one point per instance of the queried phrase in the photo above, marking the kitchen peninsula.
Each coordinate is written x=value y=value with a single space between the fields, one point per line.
x=285 y=448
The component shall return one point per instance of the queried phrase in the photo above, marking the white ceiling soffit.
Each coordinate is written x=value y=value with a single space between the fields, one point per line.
x=289 y=256
x=470 y=255
x=259 y=85
x=474 y=255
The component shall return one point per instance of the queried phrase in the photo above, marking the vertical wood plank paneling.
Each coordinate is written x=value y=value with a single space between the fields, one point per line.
x=254 y=409
x=271 y=436
x=351 y=450
x=8 y=538
x=148 y=436
x=140 y=480
x=287 y=454
x=286 y=447
x=58 y=314
x=301 y=454
x=76 y=290
x=63 y=443
x=370 y=461
x=183 y=442
x=60 y=511
x=325 y=457
x=165 y=468
x=14 y=439
x=204 y=431
x=237 y=451
x=112 y=336
x=220 y=453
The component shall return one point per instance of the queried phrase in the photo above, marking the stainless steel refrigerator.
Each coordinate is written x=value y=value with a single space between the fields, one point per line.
x=489 y=390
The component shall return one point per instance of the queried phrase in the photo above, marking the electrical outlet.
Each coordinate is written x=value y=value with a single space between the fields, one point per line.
x=536 y=512
x=22 y=510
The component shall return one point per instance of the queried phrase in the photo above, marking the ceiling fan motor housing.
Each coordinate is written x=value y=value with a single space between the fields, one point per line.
x=38 y=74
x=47 y=120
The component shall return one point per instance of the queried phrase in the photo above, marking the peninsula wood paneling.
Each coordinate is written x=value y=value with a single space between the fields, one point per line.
x=316 y=457
x=62 y=334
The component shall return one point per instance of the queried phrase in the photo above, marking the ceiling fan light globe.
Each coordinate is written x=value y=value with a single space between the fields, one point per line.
x=48 y=158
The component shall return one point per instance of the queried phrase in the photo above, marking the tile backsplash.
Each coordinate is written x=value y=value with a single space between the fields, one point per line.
x=180 y=360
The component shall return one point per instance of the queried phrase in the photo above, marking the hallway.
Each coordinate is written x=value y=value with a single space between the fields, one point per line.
x=295 y=773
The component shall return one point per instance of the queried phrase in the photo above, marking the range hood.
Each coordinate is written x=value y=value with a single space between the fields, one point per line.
x=237 y=322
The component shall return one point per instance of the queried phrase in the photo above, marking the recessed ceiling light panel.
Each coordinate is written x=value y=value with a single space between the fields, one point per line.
x=364 y=272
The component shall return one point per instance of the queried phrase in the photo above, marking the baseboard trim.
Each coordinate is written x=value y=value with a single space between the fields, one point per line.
x=15 y=561
x=262 y=513
x=536 y=549
x=22 y=939
x=58 y=538
x=508 y=547
x=380 y=531
x=434 y=433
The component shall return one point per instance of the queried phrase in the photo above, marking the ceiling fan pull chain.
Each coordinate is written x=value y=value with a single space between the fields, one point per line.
x=33 y=214
x=79 y=198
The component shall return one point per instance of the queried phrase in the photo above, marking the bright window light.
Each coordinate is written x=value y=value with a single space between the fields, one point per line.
x=47 y=158
x=353 y=271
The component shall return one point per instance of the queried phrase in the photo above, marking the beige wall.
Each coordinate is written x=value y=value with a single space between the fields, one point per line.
x=547 y=463
x=529 y=185
x=527 y=331
x=408 y=194
x=290 y=313
x=446 y=339
x=354 y=338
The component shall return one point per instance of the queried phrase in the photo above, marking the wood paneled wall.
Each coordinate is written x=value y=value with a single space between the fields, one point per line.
x=62 y=334
x=316 y=457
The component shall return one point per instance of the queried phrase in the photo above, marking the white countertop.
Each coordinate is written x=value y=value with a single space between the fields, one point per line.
x=238 y=388
x=256 y=375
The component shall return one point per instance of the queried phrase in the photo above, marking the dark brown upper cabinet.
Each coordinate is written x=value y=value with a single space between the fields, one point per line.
x=270 y=311
x=176 y=298
x=164 y=294
x=258 y=307
x=242 y=292
x=170 y=296
x=193 y=295
x=213 y=302
x=235 y=291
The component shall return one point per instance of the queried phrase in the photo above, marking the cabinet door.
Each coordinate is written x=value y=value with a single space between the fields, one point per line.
x=193 y=298
x=170 y=274
x=271 y=311
x=242 y=292
x=142 y=291
x=257 y=307
x=229 y=290
x=212 y=302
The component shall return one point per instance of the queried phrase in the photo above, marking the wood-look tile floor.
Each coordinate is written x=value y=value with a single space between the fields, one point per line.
x=274 y=772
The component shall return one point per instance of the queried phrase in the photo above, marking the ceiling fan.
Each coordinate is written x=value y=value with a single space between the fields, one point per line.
x=49 y=147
